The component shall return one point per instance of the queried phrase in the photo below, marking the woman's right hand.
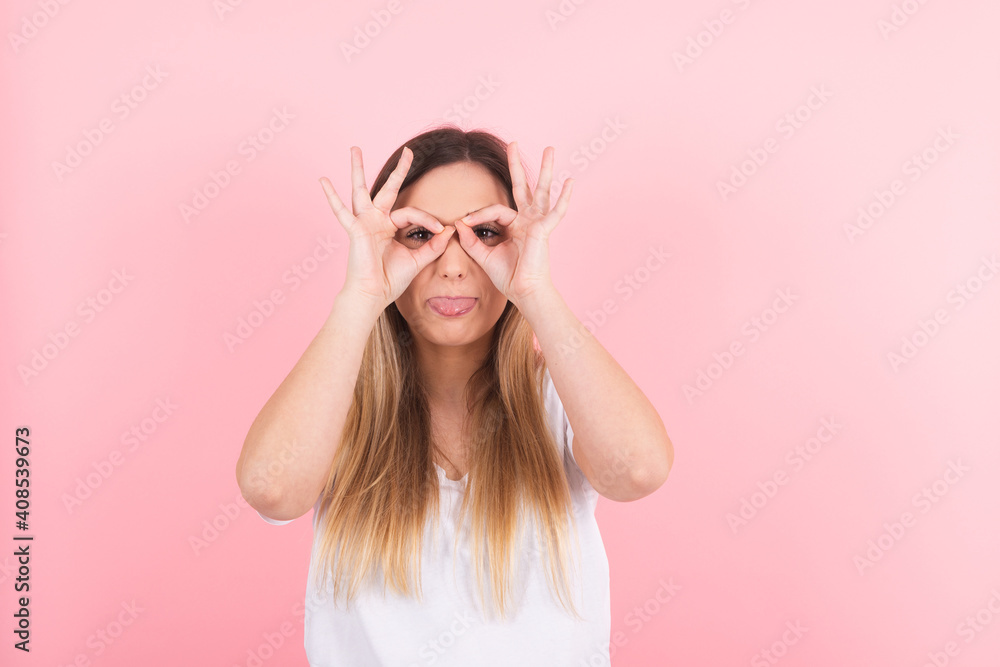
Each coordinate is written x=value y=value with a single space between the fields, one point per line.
x=379 y=267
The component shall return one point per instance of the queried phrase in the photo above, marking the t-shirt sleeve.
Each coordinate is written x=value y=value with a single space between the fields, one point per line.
x=276 y=522
x=563 y=432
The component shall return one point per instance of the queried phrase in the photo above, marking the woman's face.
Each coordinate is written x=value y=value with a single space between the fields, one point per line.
x=449 y=193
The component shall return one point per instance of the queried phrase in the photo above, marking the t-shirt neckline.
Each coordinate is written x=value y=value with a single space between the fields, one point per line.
x=443 y=476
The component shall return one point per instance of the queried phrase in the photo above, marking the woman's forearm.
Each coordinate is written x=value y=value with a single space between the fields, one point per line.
x=290 y=447
x=620 y=442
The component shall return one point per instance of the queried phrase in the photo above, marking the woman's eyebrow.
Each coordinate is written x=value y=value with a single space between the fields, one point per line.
x=469 y=213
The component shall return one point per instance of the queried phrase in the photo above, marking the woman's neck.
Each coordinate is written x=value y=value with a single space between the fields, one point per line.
x=446 y=371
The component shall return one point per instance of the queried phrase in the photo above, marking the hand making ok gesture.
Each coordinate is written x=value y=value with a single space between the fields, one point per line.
x=519 y=265
x=378 y=267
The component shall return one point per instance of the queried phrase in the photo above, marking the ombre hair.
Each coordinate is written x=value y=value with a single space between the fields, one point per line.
x=383 y=484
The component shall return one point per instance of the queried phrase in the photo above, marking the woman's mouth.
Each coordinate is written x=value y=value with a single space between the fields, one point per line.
x=451 y=306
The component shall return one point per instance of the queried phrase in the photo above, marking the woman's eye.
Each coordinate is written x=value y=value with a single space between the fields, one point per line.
x=486 y=233
x=416 y=232
x=489 y=230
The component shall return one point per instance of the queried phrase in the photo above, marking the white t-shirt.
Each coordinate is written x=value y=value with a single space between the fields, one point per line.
x=446 y=627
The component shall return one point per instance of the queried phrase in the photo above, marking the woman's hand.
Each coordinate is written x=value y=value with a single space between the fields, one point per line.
x=520 y=264
x=378 y=267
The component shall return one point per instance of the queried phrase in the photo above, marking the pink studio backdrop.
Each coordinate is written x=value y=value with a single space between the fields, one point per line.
x=820 y=339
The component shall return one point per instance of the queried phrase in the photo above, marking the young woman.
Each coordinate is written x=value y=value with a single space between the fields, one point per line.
x=447 y=455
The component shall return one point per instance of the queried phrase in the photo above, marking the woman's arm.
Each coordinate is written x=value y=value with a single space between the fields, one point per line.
x=290 y=448
x=288 y=452
x=619 y=440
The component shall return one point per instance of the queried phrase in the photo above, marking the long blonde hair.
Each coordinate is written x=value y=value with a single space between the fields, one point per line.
x=383 y=484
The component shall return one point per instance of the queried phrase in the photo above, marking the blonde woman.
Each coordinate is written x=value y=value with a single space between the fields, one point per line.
x=453 y=462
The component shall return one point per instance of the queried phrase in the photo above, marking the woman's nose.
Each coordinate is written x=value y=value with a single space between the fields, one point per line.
x=454 y=260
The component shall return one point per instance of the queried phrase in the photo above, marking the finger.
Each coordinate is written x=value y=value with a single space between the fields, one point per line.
x=471 y=243
x=407 y=215
x=495 y=213
x=562 y=205
x=429 y=251
x=387 y=195
x=343 y=215
x=541 y=198
x=522 y=196
x=359 y=191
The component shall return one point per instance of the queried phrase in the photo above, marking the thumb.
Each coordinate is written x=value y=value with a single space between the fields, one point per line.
x=470 y=242
x=431 y=250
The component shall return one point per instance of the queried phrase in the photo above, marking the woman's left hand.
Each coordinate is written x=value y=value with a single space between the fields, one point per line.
x=519 y=265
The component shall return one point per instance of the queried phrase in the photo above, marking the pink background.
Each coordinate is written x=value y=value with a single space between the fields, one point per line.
x=672 y=131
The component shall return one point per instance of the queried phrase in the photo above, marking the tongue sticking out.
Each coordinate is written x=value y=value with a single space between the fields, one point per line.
x=450 y=306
